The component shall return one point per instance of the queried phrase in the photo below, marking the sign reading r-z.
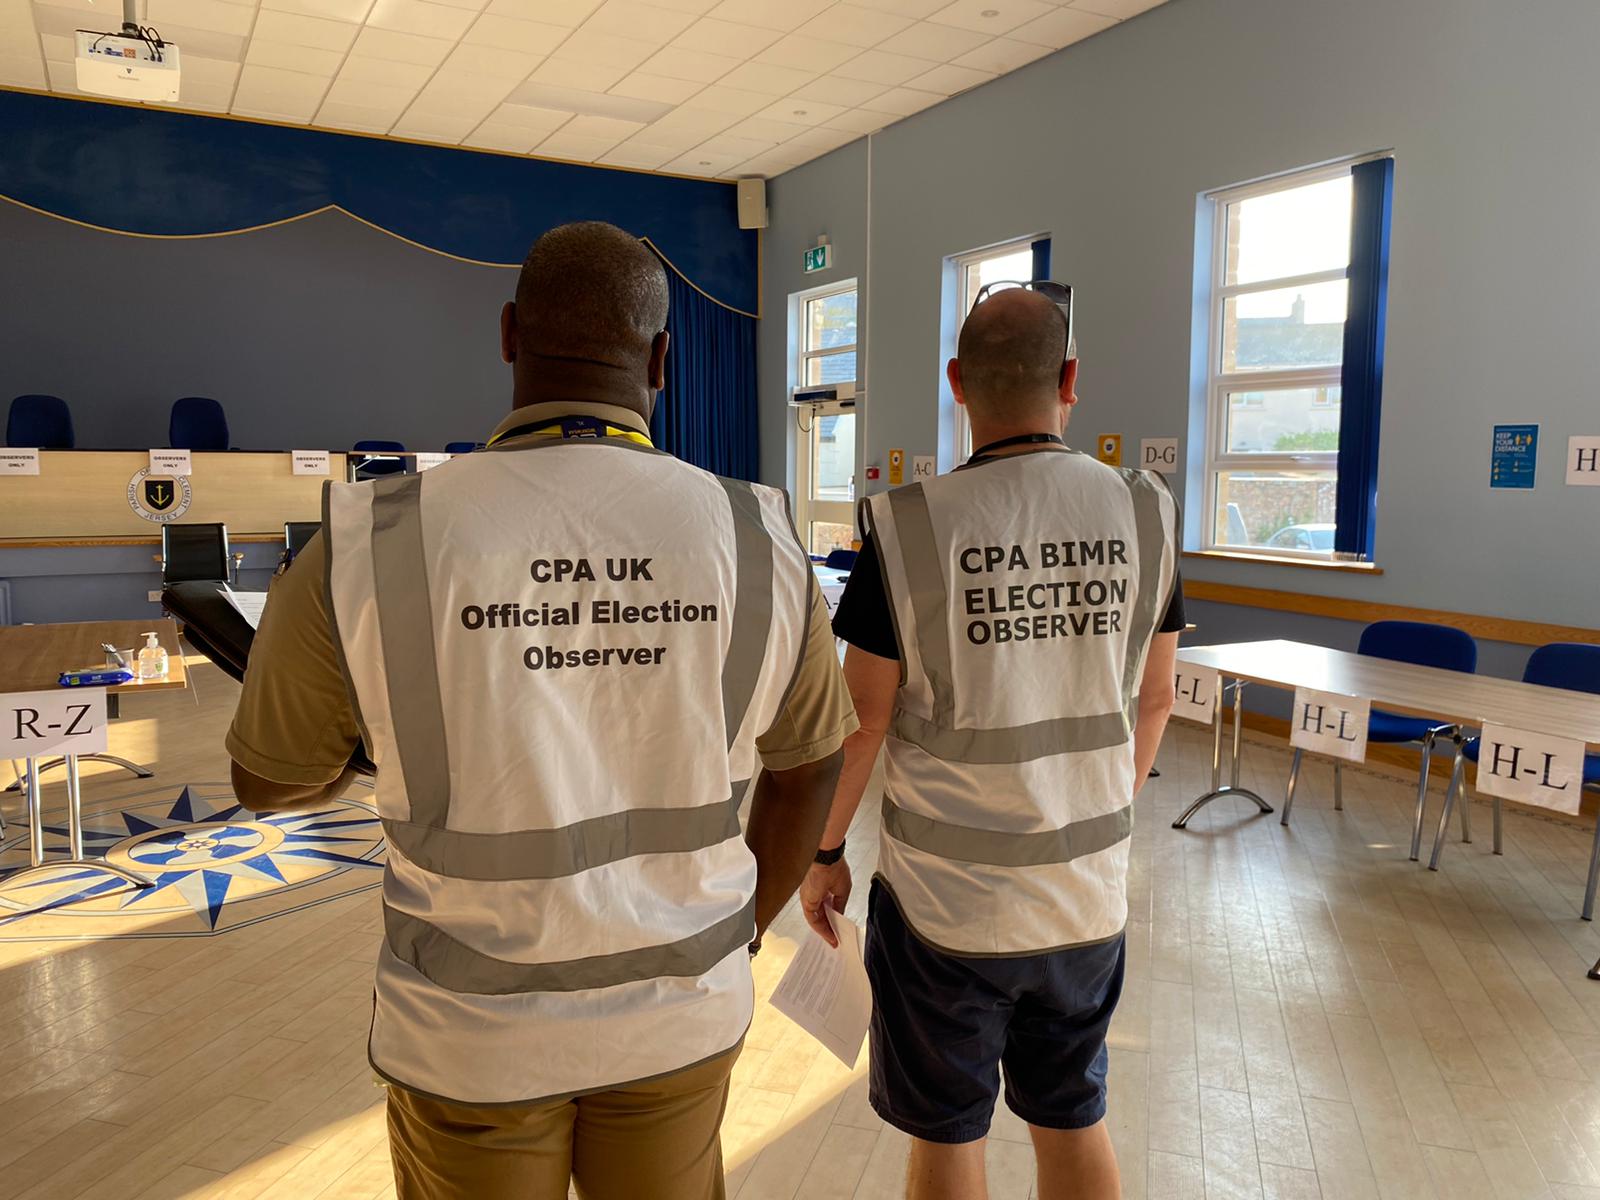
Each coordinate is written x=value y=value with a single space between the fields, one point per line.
x=35 y=724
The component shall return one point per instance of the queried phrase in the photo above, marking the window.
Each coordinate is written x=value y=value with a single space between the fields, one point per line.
x=1012 y=261
x=825 y=442
x=1282 y=286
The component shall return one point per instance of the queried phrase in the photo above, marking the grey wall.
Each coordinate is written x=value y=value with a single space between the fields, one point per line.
x=315 y=333
x=1495 y=283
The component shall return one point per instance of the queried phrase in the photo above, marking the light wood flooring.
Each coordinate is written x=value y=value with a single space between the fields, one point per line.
x=1307 y=1014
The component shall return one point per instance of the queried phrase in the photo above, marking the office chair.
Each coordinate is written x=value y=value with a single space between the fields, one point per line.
x=1423 y=645
x=840 y=560
x=380 y=458
x=462 y=447
x=197 y=423
x=296 y=534
x=197 y=552
x=1576 y=668
x=42 y=422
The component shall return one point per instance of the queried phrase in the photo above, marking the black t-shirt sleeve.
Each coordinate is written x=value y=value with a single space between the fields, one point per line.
x=1174 y=621
x=864 y=618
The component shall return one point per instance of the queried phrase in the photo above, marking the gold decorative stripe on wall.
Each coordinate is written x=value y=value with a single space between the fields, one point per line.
x=1493 y=629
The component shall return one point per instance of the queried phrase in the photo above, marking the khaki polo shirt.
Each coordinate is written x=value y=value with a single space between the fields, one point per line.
x=296 y=722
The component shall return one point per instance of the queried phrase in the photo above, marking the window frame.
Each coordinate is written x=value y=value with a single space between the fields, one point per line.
x=809 y=510
x=1220 y=383
x=963 y=264
x=806 y=356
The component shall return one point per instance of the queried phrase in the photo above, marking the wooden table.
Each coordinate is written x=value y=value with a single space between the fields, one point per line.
x=32 y=658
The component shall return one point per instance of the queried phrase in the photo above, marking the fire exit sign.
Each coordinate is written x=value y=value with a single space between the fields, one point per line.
x=819 y=258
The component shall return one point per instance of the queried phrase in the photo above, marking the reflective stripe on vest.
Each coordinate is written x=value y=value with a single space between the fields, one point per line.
x=502 y=890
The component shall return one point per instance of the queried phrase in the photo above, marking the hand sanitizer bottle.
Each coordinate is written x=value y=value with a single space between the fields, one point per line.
x=152 y=659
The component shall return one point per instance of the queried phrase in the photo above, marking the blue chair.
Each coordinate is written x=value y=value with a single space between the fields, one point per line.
x=197 y=423
x=462 y=447
x=840 y=560
x=1423 y=645
x=379 y=458
x=40 y=422
x=1576 y=668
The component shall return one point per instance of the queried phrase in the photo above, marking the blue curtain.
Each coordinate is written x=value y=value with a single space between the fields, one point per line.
x=707 y=415
x=1041 y=259
x=1361 y=379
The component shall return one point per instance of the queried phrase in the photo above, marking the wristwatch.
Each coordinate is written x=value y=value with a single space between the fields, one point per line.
x=826 y=858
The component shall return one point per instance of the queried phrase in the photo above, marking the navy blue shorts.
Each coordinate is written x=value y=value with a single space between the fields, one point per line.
x=942 y=1026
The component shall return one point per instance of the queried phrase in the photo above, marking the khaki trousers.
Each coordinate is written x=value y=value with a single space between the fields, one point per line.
x=657 y=1140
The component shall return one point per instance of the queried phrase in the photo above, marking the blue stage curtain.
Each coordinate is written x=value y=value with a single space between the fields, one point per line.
x=1361 y=379
x=707 y=415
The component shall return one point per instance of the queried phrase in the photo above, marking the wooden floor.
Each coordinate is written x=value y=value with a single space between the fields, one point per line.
x=1307 y=1014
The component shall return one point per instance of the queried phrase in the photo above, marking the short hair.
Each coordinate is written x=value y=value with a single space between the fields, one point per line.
x=590 y=290
x=1010 y=353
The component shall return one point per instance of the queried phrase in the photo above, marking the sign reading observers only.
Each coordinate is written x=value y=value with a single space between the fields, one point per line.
x=171 y=462
x=311 y=462
x=1533 y=768
x=1197 y=693
x=59 y=721
x=1330 y=724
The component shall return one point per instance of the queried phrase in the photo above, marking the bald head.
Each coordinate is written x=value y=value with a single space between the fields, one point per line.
x=593 y=292
x=1010 y=354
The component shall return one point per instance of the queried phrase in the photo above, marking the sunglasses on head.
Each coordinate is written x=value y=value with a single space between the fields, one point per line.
x=1059 y=294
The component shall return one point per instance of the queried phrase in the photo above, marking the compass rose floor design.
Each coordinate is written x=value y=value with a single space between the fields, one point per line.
x=215 y=865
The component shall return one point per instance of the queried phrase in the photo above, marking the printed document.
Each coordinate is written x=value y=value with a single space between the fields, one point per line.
x=249 y=604
x=825 y=990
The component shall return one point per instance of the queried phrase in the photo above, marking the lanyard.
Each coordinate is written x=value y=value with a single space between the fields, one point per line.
x=1022 y=439
x=574 y=427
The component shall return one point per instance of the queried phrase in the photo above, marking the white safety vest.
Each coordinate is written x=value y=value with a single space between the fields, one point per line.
x=1025 y=590
x=561 y=654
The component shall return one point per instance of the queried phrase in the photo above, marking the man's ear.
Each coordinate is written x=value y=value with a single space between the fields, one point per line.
x=658 y=361
x=952 y=372
x=1069 y=382
x=508 y=332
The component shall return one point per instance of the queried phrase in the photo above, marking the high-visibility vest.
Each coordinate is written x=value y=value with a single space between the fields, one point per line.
x=1025 y=590
x=561 y=654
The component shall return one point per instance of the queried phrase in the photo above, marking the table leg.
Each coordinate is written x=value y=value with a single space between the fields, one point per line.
x=75 y=856
x=35 y=815
x=135 y=768
x=1217 y=787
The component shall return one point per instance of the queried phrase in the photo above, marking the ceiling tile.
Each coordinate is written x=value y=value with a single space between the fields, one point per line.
x=507 y=33
x=696 y=8
x=765 y=77
x=401 y=47
x=26 y=72
x=761 y=129
x=771 y=14
x=578 y=100
x=489 y=60
x=212 y=15
x=990 y=16
x=801 y=112
x=1120 y=9
x=847 y=93
x=290 y=58
x=765 y=166
x=937 y=42
x=495 y=135
x=820 y=141
x=807 y=53
x=333 y=115
x=641 y=157
x=63 y=22
x=701 y=122
x=879 y=66
x=694 y=65
x=278 y=93
x=207 y=72
x=574 y=147
x=16 y=14
x=854 y=25
x=677 y=141
x=702 y=162
x=420 y=17
x=564 y=73
x=475 y=6
x=297 y=30
x=584 y=125
x=949 y=79
x=736 y=101
x=338 y=10
x=902 y=102
x=1061 y=28
x=606 y=49
x=431 y=127
x=358 y=68
x=1002 y=55
x=198 y=98
x=387 y=97
x=63 y=78
x=58 y=47
x=457 y=93
x=861 y=120
x=643 y=86
x=904 y=8
x=631 y=18
x=530 y=116
x=567 y=13
x=736 y=148
x=726 y=37
x=224 y=46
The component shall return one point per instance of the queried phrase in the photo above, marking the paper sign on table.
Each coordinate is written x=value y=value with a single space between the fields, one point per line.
x=1327 y=723
x=310 y=462
x=1534 y=768
x=19 y=462
x=250 y=605
x=171 y=462
x=60 y=721
x=1197 y=693
x=825 y=990
x=428 y=460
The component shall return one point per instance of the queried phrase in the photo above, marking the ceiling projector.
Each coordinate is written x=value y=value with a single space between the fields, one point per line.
x=132 y=65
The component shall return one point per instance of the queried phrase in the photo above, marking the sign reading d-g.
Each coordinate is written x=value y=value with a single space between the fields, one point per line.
x=1326 y=723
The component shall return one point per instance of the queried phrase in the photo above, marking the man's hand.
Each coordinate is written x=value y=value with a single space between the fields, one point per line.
x=825 y=885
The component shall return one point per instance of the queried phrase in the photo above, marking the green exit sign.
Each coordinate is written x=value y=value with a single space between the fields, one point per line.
x=819 y=258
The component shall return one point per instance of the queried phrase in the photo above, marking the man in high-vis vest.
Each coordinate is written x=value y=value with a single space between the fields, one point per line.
x=565 y=655
x=1012 y=628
